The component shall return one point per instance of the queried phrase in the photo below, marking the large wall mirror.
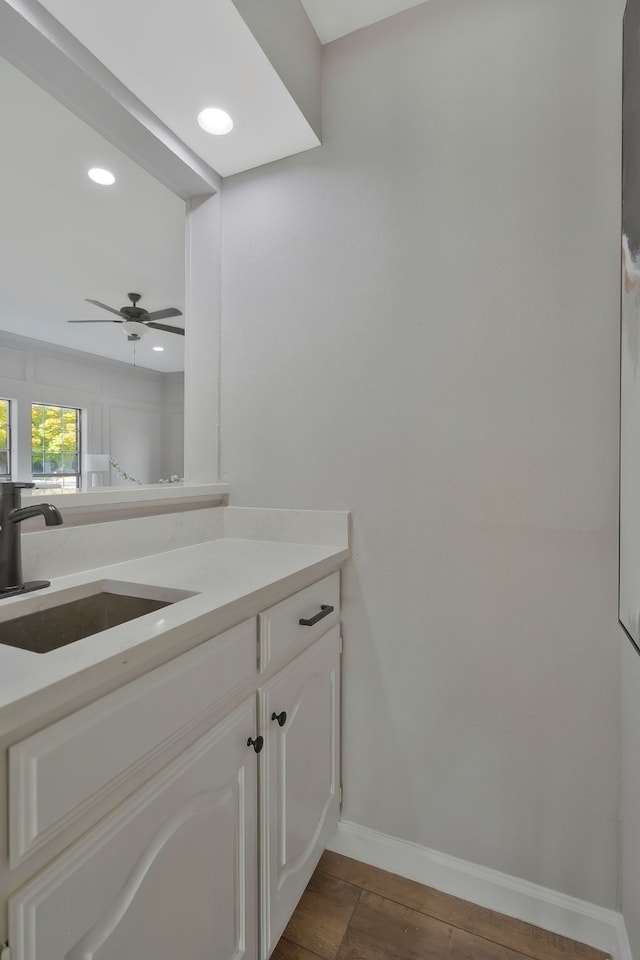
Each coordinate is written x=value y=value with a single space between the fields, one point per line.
x=65 y=239
x=629 y=609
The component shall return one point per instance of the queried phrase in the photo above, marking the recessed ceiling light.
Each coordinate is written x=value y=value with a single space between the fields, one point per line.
x=104 y=177
x=158 y=349
x=214 y=120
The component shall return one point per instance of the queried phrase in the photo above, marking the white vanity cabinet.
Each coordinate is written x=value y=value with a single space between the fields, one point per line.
x=170 y=873
x=147 y=805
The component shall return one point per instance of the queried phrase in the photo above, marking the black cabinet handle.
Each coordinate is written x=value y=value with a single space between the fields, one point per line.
x=280 y=717
x=325 y=610
x=257 y=744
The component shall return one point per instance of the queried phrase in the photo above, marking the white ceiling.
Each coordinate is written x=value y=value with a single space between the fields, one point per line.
x=63 y=238
x=335 y=18
x=179 y=59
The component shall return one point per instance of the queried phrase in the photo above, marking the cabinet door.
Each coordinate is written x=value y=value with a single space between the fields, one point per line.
x=300 y=775
x=170 y=873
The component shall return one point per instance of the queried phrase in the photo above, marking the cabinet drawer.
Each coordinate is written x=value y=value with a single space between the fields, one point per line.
x=67 y=769
x=281 y=633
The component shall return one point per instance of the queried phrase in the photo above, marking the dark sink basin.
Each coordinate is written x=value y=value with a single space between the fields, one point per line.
x=47 y=629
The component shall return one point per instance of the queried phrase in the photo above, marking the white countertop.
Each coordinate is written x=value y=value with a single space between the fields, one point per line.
x=232 y=578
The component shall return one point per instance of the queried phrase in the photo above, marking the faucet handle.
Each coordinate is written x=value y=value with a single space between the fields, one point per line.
x=10 y=491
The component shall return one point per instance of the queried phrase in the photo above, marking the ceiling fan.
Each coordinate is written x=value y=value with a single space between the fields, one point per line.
x=136 y=319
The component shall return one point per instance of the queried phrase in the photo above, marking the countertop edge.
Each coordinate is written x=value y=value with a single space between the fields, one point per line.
x=102 y=496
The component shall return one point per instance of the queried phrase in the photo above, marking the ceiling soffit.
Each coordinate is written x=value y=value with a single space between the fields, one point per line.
x=335 y=18
x=177 y=63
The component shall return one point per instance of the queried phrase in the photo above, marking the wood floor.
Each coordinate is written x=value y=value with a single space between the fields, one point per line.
x=351 y=911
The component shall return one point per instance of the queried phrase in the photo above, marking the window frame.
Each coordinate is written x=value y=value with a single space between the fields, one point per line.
x=77 y=475
x=9 y=445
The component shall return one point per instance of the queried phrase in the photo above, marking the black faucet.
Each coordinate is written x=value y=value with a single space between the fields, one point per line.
x=11 y=514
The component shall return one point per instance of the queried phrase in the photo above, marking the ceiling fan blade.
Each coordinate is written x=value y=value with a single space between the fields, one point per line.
x=96 y=321
x=166 y=327
x=163 y=314
x=104 y=307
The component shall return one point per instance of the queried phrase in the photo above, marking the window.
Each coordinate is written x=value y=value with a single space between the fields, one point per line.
x=5 y=440
x=55 y=446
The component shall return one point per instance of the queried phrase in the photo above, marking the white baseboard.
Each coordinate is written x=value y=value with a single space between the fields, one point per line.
x=624 y=947
x=540 y=906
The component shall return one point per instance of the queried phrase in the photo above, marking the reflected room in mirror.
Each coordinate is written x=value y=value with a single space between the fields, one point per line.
x=82 y=381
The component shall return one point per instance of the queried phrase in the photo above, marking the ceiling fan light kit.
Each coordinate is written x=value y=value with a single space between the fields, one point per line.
x=133 y=330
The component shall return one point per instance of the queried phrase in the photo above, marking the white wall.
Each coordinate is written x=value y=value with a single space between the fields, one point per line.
x=173 y=425
x=134 y=414
x=420 y=324
x=630 y=845
x=202 y=340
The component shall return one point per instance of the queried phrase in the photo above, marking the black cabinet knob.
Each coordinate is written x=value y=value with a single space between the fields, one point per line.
x=257 y=744
x=280 y=717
